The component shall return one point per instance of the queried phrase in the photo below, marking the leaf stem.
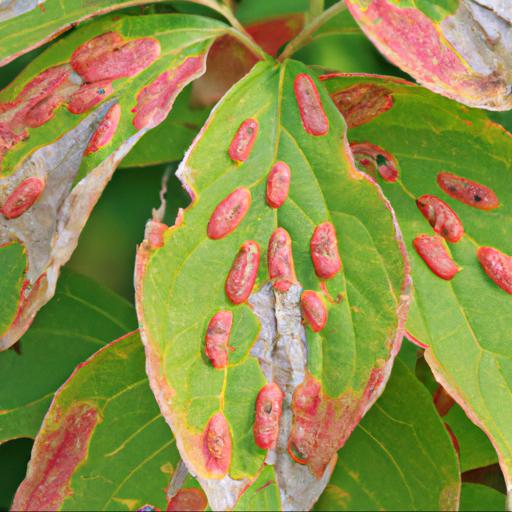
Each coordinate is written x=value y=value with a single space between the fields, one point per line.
x=316 y=7
x=305 y=35
x=237 y=30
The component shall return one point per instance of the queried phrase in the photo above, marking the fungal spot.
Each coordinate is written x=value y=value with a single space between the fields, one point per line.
x=23 y=197
x=243 y=141
x=280 y=260
x=313 y=309
x=109 y=57
x=467 y=191
x=311 y=110
x=229 y=213
x=374 y=161
x=217 y=445
x=217 y=338
x=55 y=456
x=441 y=217
x=497 y=265
x=105 y=131
x=155 y=100
x=361 y=103
x=435 y=254
x=324 y=251
x=243 y=273
x=43 y=111
x=188 y=500
x=278 y=184
x=89 y=95
x=268 y=413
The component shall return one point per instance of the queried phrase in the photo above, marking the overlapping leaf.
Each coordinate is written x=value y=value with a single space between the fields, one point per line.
x=400 y=457
x=459 y=48
x=464 y=322
x=118 y=76
x=82 y=317
x=480 y=497
x=181 y=276
x=103 y=444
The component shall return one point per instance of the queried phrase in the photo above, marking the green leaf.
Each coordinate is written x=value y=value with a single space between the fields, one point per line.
x=465 y=322
x=180 y=285
x=103 y=444
x=82 y=317
x=134 y=66
x=459 y=49
x=480 y=497
x=400 y=456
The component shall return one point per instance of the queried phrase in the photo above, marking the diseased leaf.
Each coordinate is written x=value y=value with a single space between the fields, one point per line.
x=58 y=149
x=273 y=118
x=103 y=444
x=82 y=317
x=459 y=48
x=480 y=497
x=421 y=138
x=400 y=456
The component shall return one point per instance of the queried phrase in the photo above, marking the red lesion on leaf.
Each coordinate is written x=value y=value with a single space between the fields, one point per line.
x=243 y=273
x=314 y=119
x=374 y=160
x=268 y=414
x=217 y=338
x=441 y=217
x=188 y=500
x=362 y=102
x=324 y=251
x=281 y=268
x=229 y=213
x=468 y=192
x=23 y=197
x=217 y=445
x=243 y=141
x=105 y=131
x=155 y=100
x=497 y=265
x=278 y=184
x=109 y=56
x=89 y=95
x=313 y=310
x=55 y=456
x=435 y=254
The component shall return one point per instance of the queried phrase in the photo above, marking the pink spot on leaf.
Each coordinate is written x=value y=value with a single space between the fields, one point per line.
x=441 y=217
x=188 y=500
x=324 y=251
x=371 y=158
x=23 y=197
x=313 y=310
x=217 y=338
x=280 y=260
x=497 y=265
x=229 y=213
x=243 y=141
x=268 y=413
x=106 y=130
x=467 y=191
x=311 y=110
x=434 y=253
x=89 y=95
x=278 y=184
x=154 y=102
x=243 y=273
x=217 y=445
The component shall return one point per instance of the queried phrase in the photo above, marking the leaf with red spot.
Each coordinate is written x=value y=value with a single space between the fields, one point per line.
x=464 y=322
x=458 y=48
x=400 y=456
x=187 y=277
x=68 y=120
x=103 y=444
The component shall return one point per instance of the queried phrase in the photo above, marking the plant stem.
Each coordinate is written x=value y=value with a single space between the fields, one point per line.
x=305 y=35
x=316 y=7
x=237 y=30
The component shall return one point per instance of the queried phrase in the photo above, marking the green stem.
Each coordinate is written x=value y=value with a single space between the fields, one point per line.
x=307 y=32
x=237 y=31
x=316 y=7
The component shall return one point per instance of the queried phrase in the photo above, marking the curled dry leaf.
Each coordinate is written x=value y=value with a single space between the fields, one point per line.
x=186 y=278
x=65 y=123
x=459 y=48
x=454 y=180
